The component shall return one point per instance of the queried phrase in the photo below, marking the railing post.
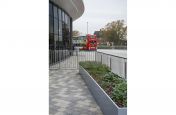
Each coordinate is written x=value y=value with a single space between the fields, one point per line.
x=57 y=58
x=52 y=57
x=101 y=59
x=77 y=55
x=110 y=63
x=95 y=56
x=49 y=59
x=125 y=70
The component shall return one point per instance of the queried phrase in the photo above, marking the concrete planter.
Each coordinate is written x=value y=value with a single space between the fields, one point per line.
x=106 y=104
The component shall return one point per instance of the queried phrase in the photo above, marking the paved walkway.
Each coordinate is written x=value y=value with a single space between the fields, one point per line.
x=68 y=94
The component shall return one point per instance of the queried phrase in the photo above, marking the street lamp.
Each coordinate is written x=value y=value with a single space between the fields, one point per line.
x=87 y=27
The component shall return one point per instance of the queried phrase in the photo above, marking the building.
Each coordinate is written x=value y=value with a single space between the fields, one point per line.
x=78 y=40
x=61 y=15
x=97 y=33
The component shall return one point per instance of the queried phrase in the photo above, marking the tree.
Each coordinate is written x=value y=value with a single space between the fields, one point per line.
x=115 y=32
x=75 y=33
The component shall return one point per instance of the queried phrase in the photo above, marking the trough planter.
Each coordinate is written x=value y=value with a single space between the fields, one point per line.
x=106 y=104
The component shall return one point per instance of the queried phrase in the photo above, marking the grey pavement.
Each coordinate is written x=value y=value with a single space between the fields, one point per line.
x=69 y=95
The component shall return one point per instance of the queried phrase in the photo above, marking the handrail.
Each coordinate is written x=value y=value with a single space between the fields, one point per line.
x=112 y=55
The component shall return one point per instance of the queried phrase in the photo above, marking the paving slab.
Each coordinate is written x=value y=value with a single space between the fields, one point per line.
x=69 y=95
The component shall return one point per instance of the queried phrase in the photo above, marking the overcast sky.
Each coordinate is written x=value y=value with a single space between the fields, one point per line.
x=98 y=13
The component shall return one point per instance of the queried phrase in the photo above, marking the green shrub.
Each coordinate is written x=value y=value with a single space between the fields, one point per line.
x=119 y=94
x=95 y=68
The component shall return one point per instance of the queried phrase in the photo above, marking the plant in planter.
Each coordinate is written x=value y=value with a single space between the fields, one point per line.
x=112 y=84
x=95 y=69
x=119 y=94
x=116 y=88
x=108 y=82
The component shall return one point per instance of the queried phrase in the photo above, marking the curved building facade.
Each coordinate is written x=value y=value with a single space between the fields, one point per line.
x=61 y=15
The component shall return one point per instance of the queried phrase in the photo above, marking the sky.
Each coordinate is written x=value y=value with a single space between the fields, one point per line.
x=98 y=13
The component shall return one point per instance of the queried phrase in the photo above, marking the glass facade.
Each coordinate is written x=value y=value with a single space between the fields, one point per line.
x=60 y=24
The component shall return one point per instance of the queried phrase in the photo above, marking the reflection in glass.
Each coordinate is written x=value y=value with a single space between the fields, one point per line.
x=50 y=9
x=59 y=28
x=55 y=12
x=51 y=25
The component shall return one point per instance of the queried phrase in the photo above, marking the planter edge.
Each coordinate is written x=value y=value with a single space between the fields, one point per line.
x=106 y=104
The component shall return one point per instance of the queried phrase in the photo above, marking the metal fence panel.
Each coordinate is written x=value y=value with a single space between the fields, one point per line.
x=69 y=59
x=118 y=65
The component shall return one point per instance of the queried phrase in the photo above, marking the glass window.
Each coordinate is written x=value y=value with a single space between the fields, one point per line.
x=60 y=28
x=68 y=20
x=51 y=41
x=60 y=38
x=63 y=16
x=50 y=9
x=92 y=36
x=56 y=38
x=60 y=45
x=55 y=12
x=51 y=25
x=57 y=45
x=55 y=41
x=69 y=25
x=56 y=29
x=59 y=14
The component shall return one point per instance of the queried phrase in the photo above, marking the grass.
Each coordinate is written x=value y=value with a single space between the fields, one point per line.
x=113 y=85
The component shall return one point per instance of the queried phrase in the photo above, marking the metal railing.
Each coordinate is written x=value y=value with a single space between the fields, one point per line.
x=86 y=56
x=112 y=47
x=118 y=65
x=62 y=59
x=69 y=59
